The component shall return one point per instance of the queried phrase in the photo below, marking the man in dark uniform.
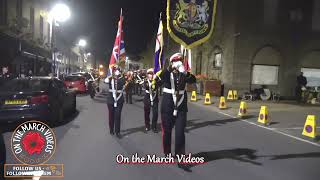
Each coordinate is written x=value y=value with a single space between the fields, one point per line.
x=117 y=84
x=139 y=82
x=135 y=87
x=174 y=103
x=301 y=84
x=151 y=101
x=130 y=87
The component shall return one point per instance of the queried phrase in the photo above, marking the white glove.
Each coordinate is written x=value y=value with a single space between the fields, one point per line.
x=176 y=64
x=181 y=69
x=117 y=73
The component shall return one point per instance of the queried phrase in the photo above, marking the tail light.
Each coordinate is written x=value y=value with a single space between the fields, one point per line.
x=40 y=99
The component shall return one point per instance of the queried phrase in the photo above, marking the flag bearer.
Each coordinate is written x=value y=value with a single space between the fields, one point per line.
x=174 y=103
x=115 y=100
x=151 y=101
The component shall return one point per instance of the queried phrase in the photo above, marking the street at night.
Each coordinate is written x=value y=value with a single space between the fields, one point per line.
x=233 y=148
x=160 y=89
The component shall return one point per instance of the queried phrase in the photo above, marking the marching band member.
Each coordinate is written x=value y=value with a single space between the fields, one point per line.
x=139 y=83
x=115 y=100
x=151 y=101
x=174 y=103
x=130 y=87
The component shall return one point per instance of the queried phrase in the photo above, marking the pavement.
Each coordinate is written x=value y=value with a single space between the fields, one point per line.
x=233 y=148
x=286 y=117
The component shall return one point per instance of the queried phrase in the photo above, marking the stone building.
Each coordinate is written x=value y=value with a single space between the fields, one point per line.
x=26 y=35
x=262 y=42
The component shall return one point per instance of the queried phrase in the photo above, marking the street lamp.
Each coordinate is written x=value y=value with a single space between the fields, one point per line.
x=60 y=13
x=82 y=43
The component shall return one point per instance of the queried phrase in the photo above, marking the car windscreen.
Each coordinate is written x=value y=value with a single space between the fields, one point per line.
x=25 y=85
x=73 y=78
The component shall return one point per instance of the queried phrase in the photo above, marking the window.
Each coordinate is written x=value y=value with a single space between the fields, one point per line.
x=270 y=12
x=217 y=60
x=32 y=20
x=49 y=33
x=199 y=63
x=41 y=27
x=313 y=76
x=265 y=75
x=3 y=12
x=19 y=8
x=316 y=16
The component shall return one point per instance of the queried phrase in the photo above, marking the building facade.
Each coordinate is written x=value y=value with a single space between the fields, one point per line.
x=26 y=38
x=262 y=42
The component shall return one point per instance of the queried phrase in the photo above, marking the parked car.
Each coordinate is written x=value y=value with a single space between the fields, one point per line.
x=76 y=82
x=92 y=83
x=36 y=98
x=88 y=77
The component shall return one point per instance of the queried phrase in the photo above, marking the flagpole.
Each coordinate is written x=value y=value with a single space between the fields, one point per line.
x=160 y=55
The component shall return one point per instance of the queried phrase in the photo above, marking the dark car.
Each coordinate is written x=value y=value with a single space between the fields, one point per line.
x=35 y=98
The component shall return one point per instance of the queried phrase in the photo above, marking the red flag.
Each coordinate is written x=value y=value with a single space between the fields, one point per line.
x=118 y=52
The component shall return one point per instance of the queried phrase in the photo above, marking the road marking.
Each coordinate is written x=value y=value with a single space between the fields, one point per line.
x=273 y=129
x=292 y=128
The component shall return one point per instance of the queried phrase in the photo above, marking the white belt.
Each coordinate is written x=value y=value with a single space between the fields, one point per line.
x=169 y=91
x=118 y=91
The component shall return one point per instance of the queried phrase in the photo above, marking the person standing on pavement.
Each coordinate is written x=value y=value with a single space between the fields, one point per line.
x=115 y=100
x=174 y=104
x=151 y=101
x=5 y=75
x=301 y=86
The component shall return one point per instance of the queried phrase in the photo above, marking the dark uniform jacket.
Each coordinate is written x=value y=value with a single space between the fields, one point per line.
x=302 y=81
x=167 y=105
x=5 y=77
x=119 y=85
x=130 y=85
x=147 y=100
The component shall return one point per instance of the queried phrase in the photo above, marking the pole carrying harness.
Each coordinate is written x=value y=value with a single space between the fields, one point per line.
x=174 y=93
x=114 y=92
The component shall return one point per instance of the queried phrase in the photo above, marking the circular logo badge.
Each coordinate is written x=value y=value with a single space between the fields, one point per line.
x=33 y=142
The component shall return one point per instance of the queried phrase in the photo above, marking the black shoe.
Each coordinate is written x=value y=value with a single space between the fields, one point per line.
x=111 y=132
x=118 y=135
x=147 y=129
x=155 y=130
x=185 y=167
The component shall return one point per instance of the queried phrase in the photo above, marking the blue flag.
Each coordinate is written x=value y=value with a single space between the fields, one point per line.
x=159 y=55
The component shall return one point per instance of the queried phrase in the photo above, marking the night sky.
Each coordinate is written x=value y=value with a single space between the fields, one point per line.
x=96 y=21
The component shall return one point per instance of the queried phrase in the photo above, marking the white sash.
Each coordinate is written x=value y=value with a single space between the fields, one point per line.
x=174 y=95
x=114 y=93
x=152 y=97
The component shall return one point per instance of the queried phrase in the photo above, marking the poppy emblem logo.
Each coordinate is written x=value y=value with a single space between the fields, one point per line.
x=33 y=143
